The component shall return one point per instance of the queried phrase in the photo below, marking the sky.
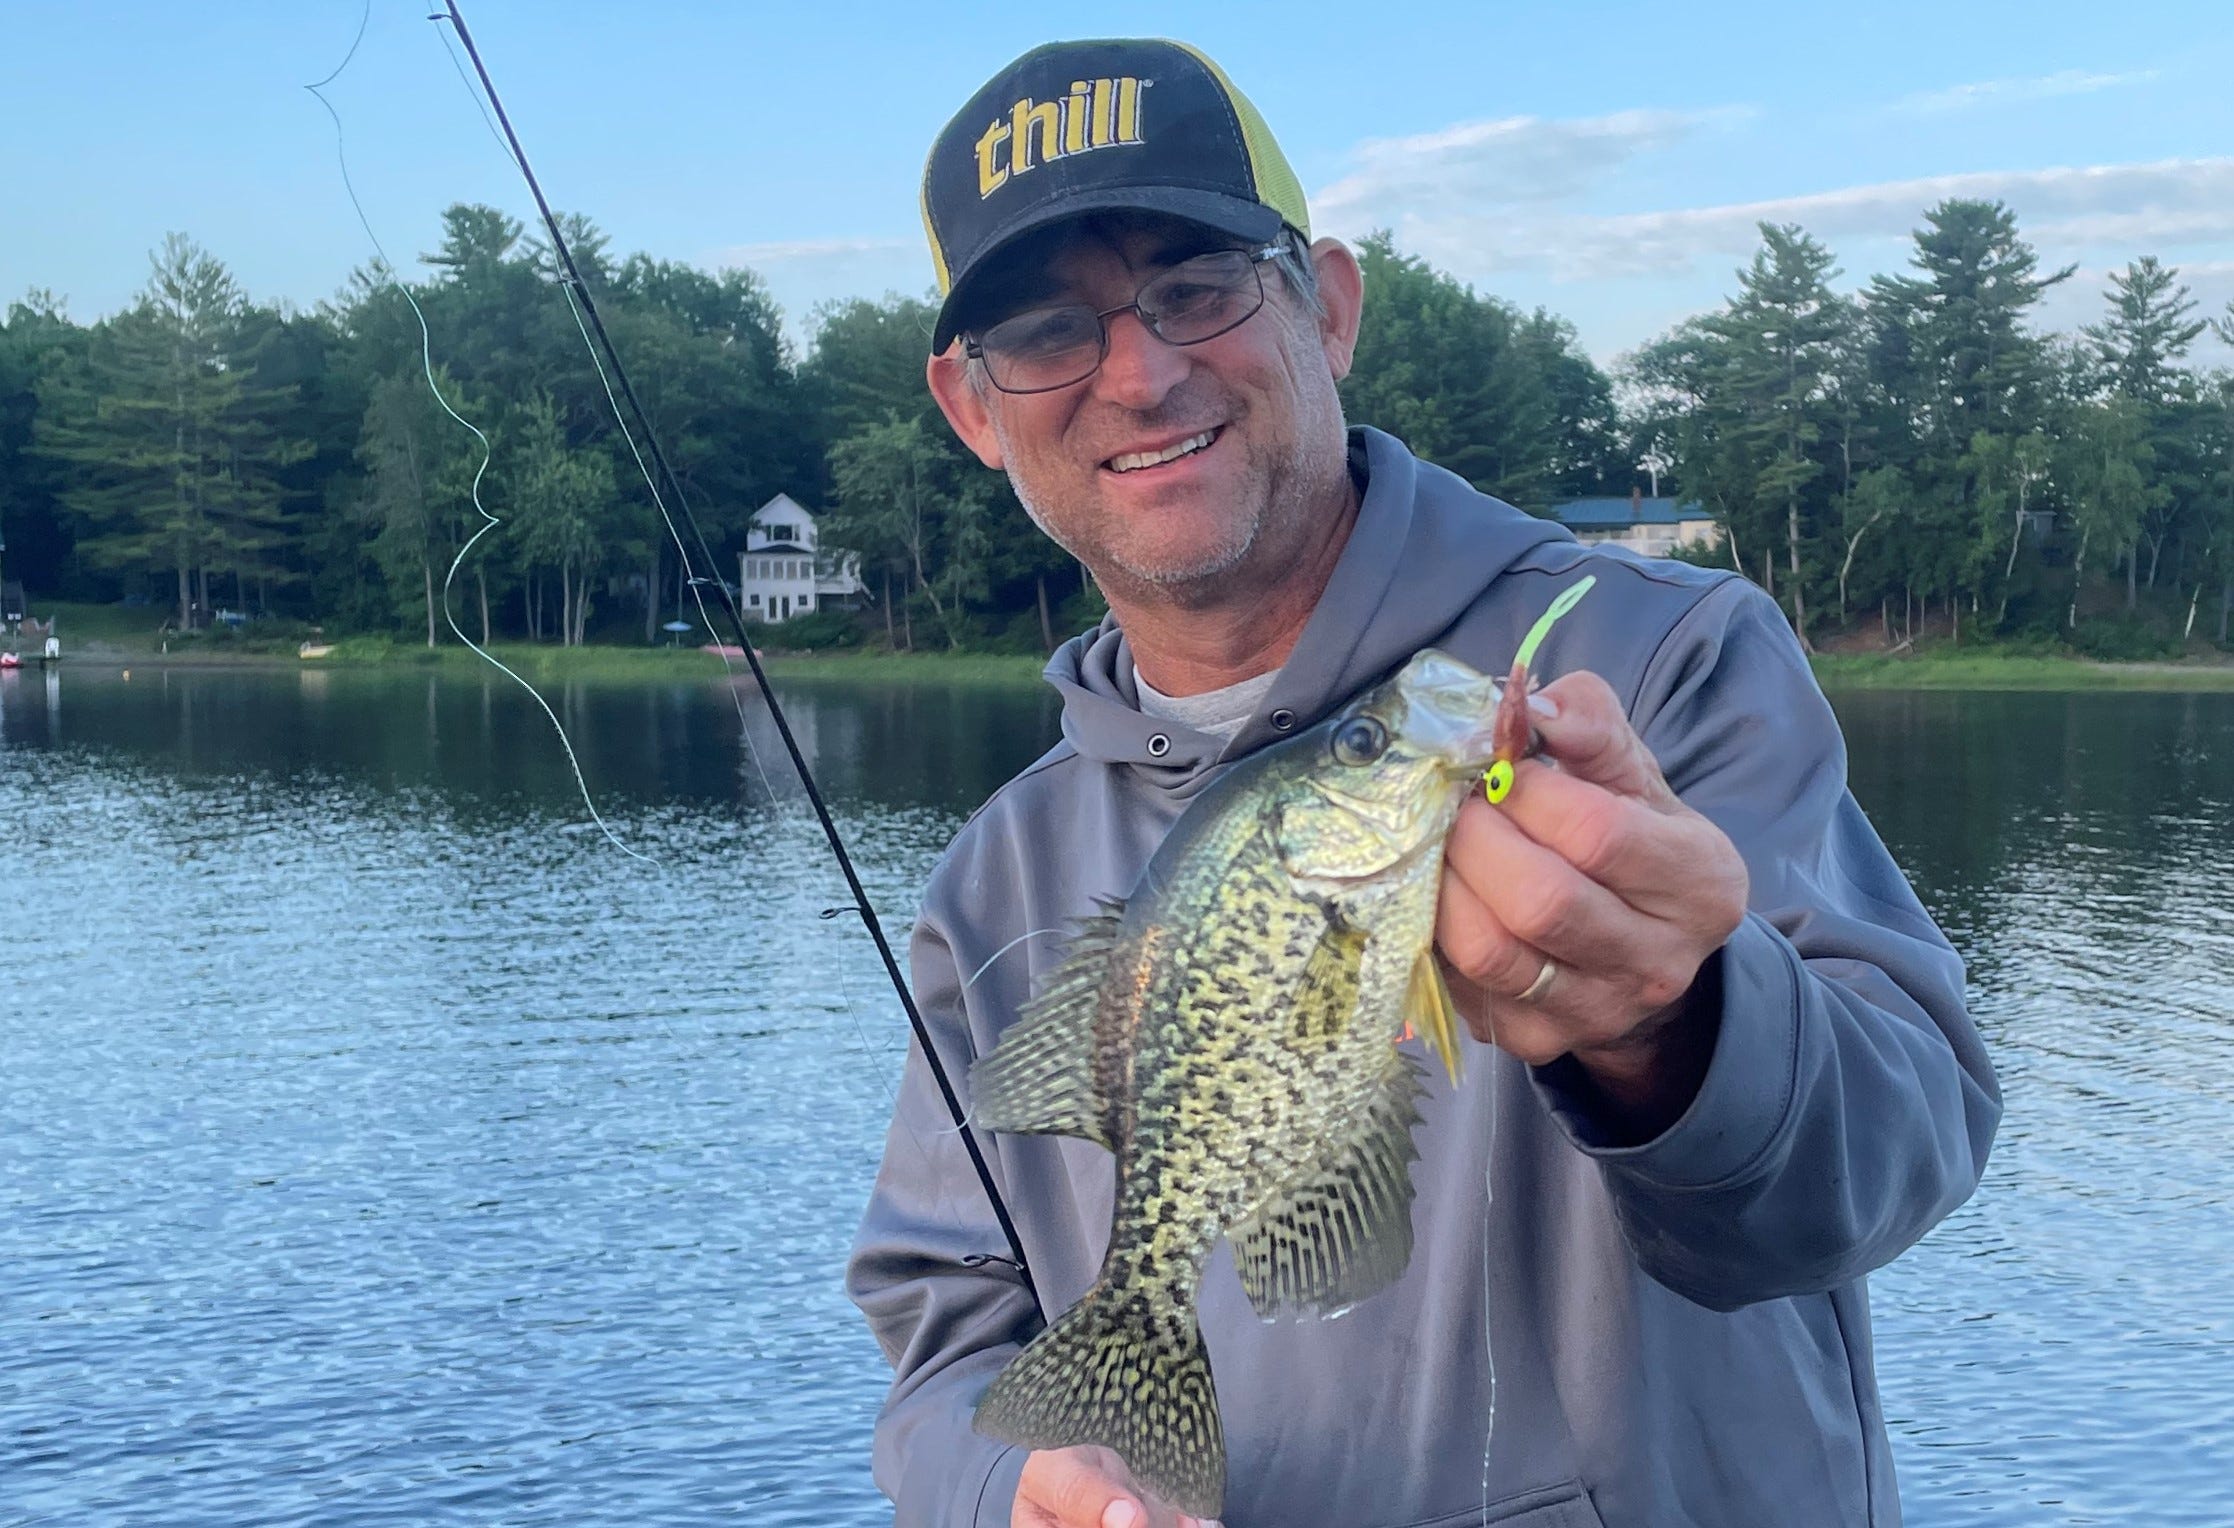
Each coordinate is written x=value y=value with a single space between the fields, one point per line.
x=1608 y=162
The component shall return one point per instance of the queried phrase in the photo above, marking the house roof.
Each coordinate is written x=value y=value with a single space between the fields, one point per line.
x=1612 y=514
x=783 y=504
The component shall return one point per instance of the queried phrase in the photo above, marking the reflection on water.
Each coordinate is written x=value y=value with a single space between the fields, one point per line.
x=2062 y=1350
x=481 y=739
x=380 y=1146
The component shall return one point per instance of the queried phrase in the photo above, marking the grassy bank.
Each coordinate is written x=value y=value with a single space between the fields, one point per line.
x=1958 y=669
x=113 y=632
x=539 y=663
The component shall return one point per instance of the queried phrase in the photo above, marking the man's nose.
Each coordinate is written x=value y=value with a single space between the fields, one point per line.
x=1138 y=369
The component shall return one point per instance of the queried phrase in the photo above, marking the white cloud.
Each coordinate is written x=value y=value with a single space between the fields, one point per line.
x=2141 y=207
x=804 y=274
x=1502 y=162
x=1985 y=93
x=792 y=251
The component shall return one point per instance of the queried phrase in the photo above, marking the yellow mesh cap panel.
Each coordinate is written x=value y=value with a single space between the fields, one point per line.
x=1277 y=186
x=931 y=232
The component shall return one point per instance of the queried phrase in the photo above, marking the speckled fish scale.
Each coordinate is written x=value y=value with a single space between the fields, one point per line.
x=1229 y=1033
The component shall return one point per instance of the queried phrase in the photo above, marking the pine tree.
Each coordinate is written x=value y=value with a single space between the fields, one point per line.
x=170 y=436
x=2140 y=344
x=1967 y=362
x=1780 y=341
x=2138 y=347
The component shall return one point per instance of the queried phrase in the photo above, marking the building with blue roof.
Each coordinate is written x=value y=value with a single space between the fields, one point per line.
x=1652 y=527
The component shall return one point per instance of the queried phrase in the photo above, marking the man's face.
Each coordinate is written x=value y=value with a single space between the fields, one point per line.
x=1256 y=407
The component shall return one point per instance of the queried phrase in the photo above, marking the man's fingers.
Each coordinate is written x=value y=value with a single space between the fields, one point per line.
x=1076 y=1488
x=1088 y=1487
x=1535 y=894
x=1591 y=738
x=1648 y=855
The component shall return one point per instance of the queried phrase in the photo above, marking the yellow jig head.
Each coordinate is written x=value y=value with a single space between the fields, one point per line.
x=1497 y=780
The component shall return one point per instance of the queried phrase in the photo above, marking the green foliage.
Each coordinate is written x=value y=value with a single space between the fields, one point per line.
x=169 y=439
x=1949 y=347
x=2124 y=639
x=1920 y=447
x=2140 y=343
x=1505 y=399
x=1751 y=404
x=815 y=632
x=1913 y=452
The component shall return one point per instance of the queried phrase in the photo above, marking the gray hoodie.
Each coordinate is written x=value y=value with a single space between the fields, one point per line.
x=1671 y=1333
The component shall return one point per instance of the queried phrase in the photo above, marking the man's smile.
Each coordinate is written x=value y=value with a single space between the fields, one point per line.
x=1150 y=458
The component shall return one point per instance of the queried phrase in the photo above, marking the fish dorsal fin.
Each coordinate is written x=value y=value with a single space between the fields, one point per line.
x=1042 y=1076
x=1342 y=1229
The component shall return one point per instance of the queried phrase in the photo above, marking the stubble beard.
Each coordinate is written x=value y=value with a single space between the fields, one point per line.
x=1172 y=580
x=1184 y=583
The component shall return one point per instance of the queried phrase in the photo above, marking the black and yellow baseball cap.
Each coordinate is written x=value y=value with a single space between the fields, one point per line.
x=1076 y=127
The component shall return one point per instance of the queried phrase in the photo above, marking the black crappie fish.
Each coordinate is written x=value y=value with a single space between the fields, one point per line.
x=1229 y=1033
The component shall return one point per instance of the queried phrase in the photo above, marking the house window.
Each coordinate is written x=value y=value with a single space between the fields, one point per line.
x=752 y=599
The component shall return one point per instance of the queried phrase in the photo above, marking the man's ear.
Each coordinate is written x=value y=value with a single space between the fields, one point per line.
x=1342 y=294
x=949 y=376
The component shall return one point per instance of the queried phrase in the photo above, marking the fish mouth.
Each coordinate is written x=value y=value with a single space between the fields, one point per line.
x=1450 y=711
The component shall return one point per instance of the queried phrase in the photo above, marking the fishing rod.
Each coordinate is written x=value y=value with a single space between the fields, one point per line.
x=603 y=342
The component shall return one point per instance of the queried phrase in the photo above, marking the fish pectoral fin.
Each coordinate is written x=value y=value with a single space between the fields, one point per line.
x=1429 y=1011
x=1041 y=1077
x=1325 y=998
x=1116 y=1375
x=1343 y=1230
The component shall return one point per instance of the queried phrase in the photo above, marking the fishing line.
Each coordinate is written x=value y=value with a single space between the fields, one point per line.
x=1497 y=783
x=489 y=522
x=860 y=898
x=1489 y=1199
x=693 y=581
x=1003 y=950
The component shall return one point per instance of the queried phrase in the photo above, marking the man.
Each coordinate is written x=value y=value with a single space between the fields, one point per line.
x=1721 y=1068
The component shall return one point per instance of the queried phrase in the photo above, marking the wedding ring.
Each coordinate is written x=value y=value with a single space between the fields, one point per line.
x=1542 y=983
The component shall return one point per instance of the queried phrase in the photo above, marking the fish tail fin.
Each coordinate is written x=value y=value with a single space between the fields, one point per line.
x=1112 y=1373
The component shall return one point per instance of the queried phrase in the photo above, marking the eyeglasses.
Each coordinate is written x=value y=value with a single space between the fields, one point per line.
x=1196 y=300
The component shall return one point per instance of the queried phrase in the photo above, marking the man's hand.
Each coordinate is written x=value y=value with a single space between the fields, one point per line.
x=1594 y=865
x=1088 y=1488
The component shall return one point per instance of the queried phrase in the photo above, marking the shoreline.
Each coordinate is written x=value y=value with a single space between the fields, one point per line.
x=1936 y=669
x=543 y=663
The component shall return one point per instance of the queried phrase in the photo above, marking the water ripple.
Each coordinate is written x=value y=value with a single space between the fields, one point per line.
x=379 y=1147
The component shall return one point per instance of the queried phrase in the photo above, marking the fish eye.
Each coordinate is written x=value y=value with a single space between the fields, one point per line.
x=1360 y=740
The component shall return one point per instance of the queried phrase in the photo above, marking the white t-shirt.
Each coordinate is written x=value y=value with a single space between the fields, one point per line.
x=1221 y=713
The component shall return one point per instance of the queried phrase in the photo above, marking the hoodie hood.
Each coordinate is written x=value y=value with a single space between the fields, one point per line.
x=1413 y=516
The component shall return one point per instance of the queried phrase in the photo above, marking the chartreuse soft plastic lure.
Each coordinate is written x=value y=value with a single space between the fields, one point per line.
x=1513 y=741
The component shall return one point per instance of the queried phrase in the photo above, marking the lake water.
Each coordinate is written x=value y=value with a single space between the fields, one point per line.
x=379 y=1144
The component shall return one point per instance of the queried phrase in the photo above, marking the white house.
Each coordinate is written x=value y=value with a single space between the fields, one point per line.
x=781 y=573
